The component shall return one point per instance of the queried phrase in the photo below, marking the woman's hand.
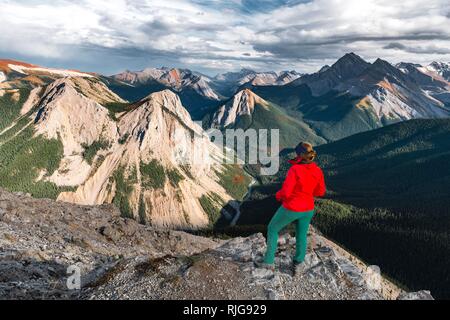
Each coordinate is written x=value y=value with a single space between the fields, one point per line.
x=279 y=196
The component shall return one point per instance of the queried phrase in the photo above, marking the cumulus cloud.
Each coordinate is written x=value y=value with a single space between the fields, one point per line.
x=213 y=35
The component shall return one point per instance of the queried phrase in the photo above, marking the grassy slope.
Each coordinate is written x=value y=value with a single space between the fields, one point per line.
x=10 y=109
x=21 y=160
x=23 y=156
x=292 y=130
x=403 y=166
x=335 y=116
x=289 y=97
x=332 y=116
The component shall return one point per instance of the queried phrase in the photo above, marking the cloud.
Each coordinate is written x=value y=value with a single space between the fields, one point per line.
x=431 y=49
x=212 y=35
x=327 y=28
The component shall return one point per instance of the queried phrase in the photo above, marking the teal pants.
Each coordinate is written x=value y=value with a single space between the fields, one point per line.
x=281 y=219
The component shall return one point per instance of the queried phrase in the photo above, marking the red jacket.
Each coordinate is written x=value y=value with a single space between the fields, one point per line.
x=304 y=181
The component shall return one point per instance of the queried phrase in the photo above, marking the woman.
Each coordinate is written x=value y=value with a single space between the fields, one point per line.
x=304 y=181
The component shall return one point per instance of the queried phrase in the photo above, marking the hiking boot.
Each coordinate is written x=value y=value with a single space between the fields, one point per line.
x=299 y=268
x=263 y=265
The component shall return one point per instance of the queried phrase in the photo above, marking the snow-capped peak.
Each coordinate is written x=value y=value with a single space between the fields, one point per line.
x=440 y=68
x=34 y=69
x=177 y=79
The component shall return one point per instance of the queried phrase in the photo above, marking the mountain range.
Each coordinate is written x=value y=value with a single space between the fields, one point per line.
x=198 y=92
x=340 y=100
x=348 y=97
x=353 y=96
x=230 y=83
x=247 y=110
x=75 y=140
x=131 y=140
x=109 y=138
x=192 y=87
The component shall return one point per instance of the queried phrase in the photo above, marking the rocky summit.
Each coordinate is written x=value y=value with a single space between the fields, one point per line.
x=42 y=242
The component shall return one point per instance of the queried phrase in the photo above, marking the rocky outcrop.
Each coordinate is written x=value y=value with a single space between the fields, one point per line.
x=242 y=104
x=440 y=68
x=65 y=111
x=121 y=259
x=150 y=158
x=40 y=239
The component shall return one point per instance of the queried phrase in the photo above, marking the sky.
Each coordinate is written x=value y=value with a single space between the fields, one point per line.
x=214 y=36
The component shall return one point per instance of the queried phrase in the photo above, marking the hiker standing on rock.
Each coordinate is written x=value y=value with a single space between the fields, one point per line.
x=304 y=181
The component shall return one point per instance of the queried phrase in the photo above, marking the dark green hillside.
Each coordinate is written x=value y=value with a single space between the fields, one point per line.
x=23 y=157
x=335 y=116
x=389 y=200
x=197 y=105
x=332 y=116
x=10 y=108
x=411 y=248
x=403 y=166
x=288 y=96
x=292 y=131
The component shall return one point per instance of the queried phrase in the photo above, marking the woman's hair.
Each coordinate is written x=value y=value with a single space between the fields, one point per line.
x=306 y=151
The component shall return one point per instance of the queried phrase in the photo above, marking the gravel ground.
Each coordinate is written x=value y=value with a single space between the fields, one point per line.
x=121 y=259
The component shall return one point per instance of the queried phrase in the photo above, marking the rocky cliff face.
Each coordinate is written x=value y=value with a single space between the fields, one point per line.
x=286 y=77
x=389 y=93
x=396 y=95
x=149 y=158
x=242 y=104
x=440 y=68
x=121 y=259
